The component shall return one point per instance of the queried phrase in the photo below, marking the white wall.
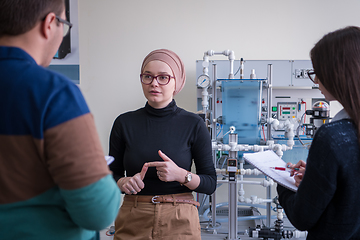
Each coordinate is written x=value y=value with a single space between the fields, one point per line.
x=115 y=36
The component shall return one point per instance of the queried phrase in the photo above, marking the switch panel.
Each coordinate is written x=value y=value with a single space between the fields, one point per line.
x=286 y=110
x=301 y=73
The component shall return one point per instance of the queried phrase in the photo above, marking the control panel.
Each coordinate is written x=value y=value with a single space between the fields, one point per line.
x=286 y=110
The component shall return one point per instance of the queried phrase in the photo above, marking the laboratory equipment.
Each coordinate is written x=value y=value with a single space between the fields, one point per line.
x=203 y=81
x=277 y=232
x=286 y=110
x=320 y=115
x=240 y=113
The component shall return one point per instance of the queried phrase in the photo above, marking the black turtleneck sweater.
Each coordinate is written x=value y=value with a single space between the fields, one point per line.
x=137 y=136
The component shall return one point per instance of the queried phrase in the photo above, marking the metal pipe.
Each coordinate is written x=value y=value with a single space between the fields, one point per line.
x=212 y=117
x=233 y=140
x=269 y=100
x=260 y=102
x=213 y=107
x=230 y=54
x=241 y=181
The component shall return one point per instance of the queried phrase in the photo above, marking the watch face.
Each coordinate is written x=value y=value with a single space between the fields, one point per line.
x=188 y=177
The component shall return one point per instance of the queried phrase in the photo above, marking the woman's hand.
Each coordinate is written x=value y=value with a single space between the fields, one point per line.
x=133 y=185
x=298 y=174
x=167 y=170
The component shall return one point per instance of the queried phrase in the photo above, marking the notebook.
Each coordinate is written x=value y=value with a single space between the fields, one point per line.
x=267 y=159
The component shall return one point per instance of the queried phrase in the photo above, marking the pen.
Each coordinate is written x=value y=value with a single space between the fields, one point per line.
x=285 y=169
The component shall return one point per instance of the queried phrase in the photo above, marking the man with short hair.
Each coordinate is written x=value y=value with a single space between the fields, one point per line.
x=54 y=181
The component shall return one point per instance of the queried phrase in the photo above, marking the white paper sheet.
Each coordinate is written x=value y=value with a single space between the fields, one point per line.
x=267 y=159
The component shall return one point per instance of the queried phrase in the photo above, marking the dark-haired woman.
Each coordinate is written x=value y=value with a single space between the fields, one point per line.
x=327 y=201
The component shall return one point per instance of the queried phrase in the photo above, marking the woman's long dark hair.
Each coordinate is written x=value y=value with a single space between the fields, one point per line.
x=336 y=62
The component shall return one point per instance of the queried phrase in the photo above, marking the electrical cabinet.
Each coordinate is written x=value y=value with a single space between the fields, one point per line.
x=286 y=73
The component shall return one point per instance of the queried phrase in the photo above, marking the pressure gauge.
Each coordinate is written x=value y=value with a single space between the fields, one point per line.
x=203 y=81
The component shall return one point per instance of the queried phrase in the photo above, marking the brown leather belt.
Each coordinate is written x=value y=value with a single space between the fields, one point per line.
x=173 y=198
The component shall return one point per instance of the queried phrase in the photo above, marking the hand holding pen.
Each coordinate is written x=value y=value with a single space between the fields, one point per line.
x=298 y=174
x=296 y=170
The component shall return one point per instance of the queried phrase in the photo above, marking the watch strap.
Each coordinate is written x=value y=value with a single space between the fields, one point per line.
x=186 y=178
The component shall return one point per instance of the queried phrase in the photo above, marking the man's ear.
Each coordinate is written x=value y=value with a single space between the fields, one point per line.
x=48 y=25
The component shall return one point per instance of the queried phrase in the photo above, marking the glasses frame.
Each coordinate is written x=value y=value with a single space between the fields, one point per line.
x=65 y=22
x=155 y=77
x=309 y=73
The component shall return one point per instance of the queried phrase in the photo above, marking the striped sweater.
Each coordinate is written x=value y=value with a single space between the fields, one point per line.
x=54 y=181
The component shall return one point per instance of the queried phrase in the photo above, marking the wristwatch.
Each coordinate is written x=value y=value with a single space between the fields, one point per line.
x=188 y=178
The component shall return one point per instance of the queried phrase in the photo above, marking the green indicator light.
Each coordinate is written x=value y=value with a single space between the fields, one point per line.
x=274 y=109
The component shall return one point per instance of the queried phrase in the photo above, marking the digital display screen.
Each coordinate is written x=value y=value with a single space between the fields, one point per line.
x=232 y=162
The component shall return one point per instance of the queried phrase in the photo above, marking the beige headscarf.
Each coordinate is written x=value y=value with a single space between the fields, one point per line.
x=174 y=62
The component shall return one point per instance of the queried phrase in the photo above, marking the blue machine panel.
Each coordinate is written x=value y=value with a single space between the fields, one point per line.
x=241 y=108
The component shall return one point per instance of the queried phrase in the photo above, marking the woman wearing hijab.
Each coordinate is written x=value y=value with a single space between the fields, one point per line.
x=327 y=201
x=156 y=146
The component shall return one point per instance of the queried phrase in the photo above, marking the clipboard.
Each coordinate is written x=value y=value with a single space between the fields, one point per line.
x=267 y=159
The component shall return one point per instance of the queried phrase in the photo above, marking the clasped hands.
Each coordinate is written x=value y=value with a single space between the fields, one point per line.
x=298 y=174
x=167 y=171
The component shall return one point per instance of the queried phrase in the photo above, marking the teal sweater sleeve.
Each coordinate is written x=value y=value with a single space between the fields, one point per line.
x=95 y=206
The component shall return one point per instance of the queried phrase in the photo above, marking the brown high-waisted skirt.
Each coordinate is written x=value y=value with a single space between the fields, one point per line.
x=149 y=221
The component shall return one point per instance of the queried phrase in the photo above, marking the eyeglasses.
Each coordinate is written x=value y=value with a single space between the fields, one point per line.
x=162 y=79
x=67 y=25
x=312 y=78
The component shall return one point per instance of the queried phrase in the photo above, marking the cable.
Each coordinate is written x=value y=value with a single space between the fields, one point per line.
x=204 y=199
x=305 y=111
x=257 y=210
x=221 y=126
x=225 y=160
x=207 y=120
x=304 y=117
x=226 y=133
x=237 y=70
x=218 y=161
x=297 y=129
x=264 y=133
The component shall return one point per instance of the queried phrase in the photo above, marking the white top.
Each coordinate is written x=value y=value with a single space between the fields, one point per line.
x=342 y=114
